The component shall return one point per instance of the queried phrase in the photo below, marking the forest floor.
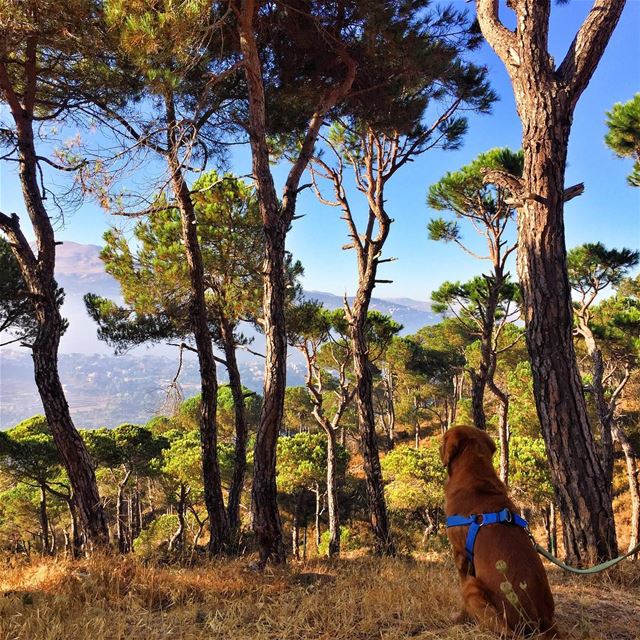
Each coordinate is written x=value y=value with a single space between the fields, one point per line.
x=351 y=599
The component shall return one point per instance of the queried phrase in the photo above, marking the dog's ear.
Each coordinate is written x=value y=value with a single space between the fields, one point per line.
x=451 y=444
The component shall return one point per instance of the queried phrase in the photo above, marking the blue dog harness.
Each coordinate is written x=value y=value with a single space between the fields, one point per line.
x=476 y=522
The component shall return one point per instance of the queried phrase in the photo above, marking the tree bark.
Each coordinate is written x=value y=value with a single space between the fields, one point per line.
x=74 y=534
x=391 y=411
x=554 y=529
x=201 y=524
x=218 y=524
x=136 y=520
x=582 y=490
x=504 y=433
x=241 y=429
x=545 y=100
x=266 y=518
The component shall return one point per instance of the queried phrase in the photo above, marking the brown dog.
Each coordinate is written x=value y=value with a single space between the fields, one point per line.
x=505 y=589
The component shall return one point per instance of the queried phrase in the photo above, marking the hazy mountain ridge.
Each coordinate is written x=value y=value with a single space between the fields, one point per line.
x=106 y=390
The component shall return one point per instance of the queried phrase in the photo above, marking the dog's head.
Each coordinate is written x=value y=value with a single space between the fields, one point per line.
x=458 y=439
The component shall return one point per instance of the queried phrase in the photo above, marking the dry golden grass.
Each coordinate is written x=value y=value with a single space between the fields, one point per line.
x=351 y=599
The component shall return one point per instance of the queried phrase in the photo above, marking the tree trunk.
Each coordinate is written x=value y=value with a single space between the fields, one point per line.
x=553 y=530
x=391 y=412
x=276 y=218
x=201 y=525
x=332 y=495
x=139 y=509
x=316 y=491
x=135 y=520
x=504 y=435
x=67 y=544
x=241 y=430
x=121 y=516
x=44 y=522
x=38 y=274
x=634 y=484
x=546 y=97
x=478 y=385
x=366 y=423
x=582 y=490
x=484 y=374
x=295 y=525
x=76 y=541
x=177 y=540
x=304 y=539
x=604 y=409
x=218 y=524
x=266 y=518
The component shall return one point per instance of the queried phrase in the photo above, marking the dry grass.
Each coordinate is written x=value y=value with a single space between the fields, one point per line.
x=353 y=599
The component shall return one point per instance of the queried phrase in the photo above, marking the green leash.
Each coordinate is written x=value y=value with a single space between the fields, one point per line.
x=597 y=569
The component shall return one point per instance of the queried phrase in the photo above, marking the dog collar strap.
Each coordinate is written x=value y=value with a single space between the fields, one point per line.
x=477 y=521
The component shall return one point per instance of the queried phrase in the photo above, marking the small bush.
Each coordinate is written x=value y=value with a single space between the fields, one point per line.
x=348 y=541
x=159 y=532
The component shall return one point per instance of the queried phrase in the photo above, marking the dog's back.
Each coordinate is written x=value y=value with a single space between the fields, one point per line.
x=507 y=585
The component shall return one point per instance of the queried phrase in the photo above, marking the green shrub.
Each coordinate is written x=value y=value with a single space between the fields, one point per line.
x=158 y=533
x=348 y=541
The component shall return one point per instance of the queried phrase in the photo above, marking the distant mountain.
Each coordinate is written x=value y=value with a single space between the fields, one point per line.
x=79 y=270
x=411 y=314
x=103 y=389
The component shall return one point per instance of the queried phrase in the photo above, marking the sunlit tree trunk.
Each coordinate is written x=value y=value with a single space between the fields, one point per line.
x=121 y=516
x=545 y=99
x=295 y=525
x=633 y=472
x=332 y=495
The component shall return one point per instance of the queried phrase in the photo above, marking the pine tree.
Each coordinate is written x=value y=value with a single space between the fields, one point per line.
x=546 y=96
x=623 y=136
x=42 y=67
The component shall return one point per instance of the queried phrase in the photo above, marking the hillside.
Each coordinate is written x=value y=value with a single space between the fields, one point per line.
x=106 y=390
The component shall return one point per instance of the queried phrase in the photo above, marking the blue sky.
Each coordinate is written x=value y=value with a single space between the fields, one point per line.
x=609 y=210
